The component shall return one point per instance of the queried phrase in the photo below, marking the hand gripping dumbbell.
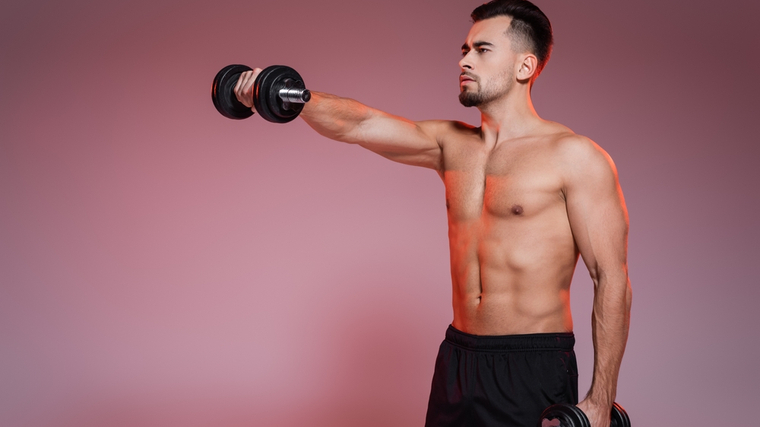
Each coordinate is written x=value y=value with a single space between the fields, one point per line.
x=278 y=93
x=565 y=415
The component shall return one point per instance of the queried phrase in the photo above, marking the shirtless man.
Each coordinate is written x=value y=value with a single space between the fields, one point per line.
x=525 y=197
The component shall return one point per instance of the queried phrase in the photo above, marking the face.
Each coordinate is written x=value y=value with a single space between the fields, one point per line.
x=487 y=62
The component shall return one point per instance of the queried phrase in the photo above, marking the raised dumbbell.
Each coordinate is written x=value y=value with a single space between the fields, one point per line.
x=278 y=93
x=565 y=415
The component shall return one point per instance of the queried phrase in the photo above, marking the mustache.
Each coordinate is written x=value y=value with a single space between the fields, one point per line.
x=468 y=75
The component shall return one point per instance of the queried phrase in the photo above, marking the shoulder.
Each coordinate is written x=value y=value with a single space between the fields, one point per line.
x=578 y=151
x=581 y=159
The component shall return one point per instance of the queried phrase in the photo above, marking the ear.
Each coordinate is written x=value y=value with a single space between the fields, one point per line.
x=526 y=67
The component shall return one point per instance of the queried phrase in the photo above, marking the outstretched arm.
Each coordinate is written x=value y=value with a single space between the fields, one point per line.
x=599 y=222
x=346 y=120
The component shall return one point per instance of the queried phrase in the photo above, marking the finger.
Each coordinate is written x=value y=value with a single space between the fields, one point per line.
x=247 y=88
x=239 y=85
x=243 y=89
x=240 y=81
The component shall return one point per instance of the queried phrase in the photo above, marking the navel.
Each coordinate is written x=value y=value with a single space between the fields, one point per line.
x=517 y=209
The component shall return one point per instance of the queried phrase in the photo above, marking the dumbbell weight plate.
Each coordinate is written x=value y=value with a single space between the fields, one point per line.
x=567 y=415
x=223 y=94
x=572 y=416
x=266 y=91
x=619 y=416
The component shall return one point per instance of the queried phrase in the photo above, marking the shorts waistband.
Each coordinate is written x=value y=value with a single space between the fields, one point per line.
x=549 y=341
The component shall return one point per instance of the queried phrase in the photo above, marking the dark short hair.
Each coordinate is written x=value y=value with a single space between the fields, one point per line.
x=529 y=27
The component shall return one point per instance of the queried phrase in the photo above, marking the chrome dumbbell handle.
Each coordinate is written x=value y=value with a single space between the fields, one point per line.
x=295 y=95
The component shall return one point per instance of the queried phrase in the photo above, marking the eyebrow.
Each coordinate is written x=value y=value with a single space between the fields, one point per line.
x=477 y=44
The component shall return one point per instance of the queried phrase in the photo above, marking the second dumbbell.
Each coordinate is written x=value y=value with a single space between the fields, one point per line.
x=566 y=415
x=279 y=93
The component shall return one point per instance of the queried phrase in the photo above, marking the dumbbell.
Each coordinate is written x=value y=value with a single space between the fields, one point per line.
x=278 y=93
x=565 y=415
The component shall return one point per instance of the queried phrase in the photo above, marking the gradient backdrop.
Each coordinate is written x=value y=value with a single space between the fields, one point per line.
x=161 y=265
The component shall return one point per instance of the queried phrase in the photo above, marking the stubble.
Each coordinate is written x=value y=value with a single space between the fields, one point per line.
x=488 y=92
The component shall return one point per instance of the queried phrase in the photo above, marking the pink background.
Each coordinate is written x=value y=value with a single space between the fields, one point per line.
x=162 y=265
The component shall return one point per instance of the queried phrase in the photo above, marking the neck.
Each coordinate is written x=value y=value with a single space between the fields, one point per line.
x=508 y=117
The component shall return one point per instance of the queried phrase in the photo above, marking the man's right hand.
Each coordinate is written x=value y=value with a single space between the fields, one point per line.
x=244 y=87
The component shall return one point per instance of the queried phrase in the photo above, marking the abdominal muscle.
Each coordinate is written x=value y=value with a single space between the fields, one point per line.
x=512 y=275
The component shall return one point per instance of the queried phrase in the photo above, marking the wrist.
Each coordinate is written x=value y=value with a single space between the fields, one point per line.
x=600 y=399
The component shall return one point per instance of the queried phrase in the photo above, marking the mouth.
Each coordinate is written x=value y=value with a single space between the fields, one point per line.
x=465 y=78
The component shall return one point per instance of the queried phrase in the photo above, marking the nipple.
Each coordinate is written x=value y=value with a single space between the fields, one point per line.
x=517 y=209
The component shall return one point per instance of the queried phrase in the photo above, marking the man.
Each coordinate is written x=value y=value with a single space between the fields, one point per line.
x=525 y=197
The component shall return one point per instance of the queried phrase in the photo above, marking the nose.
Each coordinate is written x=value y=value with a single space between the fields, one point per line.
x=465 y=63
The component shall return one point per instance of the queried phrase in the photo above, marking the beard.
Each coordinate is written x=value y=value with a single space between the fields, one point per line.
x=489 y=93
x=475 y=99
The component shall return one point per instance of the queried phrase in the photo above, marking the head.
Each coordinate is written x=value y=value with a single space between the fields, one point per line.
x=510 y=42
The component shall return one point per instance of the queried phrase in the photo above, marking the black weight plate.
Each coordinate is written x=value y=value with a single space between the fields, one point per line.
x=266 y=97
x=619 y=417
x=568 y=416
x=223 y=92
x=261 y=87
x=288 y=78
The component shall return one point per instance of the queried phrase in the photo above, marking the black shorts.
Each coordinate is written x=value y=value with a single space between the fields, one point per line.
x=505 y=381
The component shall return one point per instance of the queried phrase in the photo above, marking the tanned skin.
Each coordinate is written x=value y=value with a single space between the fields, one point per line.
x=525 y=197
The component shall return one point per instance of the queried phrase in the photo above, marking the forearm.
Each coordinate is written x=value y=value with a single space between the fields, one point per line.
x=610 y=323
x=335 y=117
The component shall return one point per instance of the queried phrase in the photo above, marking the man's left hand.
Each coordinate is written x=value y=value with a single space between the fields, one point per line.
x=598 y=415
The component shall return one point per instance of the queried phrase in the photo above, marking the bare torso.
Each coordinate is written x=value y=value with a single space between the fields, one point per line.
x=512 y=249
x=521 y=209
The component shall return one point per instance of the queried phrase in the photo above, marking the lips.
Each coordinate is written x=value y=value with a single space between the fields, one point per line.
x=464 y=79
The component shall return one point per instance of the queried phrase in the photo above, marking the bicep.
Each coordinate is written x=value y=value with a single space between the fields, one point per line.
x=401 y=140
x=597 y=213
